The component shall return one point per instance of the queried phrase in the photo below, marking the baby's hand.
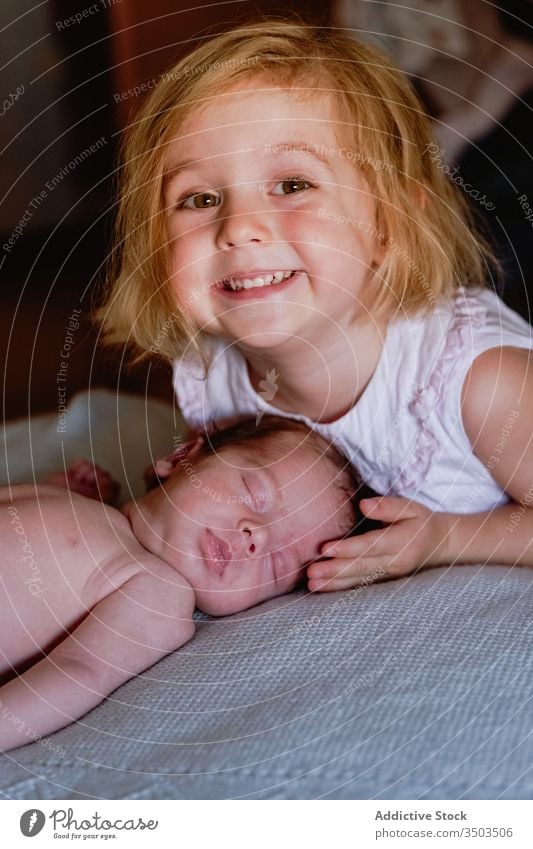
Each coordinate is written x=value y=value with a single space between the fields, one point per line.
x=414 y=536
x=157 y=473
x=88 y=479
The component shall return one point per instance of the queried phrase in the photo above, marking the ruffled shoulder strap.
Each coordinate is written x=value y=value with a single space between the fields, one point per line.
x=435 y=396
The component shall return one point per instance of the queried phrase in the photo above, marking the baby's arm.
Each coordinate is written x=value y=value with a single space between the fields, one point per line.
x=128 y=631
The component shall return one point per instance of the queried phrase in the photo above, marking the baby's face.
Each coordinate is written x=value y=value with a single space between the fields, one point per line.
x=259 y=184
x=240 y=528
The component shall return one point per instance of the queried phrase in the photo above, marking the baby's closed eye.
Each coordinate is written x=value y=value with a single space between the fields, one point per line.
x=258 y=496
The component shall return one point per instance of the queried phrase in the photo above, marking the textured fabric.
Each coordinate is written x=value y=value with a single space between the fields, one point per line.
x=122 y=433
x=405 y=434
x=418 y=688
x=415 y=688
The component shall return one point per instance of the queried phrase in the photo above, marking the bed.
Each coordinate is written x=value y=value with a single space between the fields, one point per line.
x=419 y=688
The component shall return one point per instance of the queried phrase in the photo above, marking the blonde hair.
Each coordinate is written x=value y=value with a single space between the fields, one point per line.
x=422 y=220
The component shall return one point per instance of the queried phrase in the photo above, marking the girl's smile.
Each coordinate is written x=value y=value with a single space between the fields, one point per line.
x=254 y=284
x=254 y=278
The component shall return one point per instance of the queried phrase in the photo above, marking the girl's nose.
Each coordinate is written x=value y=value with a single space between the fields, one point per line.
x=243 y=223
x=253 y=539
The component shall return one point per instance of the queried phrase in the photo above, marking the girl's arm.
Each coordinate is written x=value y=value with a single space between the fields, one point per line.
x=124 y=634
x=498 y=389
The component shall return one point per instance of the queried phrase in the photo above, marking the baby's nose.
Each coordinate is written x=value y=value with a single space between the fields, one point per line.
x=252 y=539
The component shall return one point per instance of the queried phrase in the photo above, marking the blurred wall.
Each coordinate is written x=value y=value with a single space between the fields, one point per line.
x=148 y=38
x=33 y=117
x=64 y=62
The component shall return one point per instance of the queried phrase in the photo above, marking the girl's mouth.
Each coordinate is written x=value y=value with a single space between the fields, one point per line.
x=264 y=280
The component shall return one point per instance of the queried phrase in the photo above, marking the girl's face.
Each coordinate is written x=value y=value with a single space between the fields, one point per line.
x=271 y=224
x=239 y=529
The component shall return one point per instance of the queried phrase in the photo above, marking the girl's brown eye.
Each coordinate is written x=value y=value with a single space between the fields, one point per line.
x=202 y=200
x=292 y=185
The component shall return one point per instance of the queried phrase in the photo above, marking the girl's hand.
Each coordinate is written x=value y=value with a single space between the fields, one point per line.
x=414 y=536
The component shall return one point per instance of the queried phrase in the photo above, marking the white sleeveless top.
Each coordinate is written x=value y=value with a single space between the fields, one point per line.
x=405 y=433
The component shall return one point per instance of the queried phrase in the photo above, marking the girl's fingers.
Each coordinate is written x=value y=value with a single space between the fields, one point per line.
x=334 y=585
x=389 y=508
x=352 y=571
x=346 y=583
x=372 y=541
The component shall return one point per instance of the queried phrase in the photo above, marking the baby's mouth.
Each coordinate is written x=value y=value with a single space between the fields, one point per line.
x=216 y=552
x=260 y=281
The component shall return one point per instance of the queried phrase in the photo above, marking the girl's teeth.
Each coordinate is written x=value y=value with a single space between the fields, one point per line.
x=258 y=282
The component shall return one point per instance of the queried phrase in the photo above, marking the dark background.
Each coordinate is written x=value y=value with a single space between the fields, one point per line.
x=69 y=73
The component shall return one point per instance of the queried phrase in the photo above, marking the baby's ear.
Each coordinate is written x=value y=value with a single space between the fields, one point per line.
x=163 y=468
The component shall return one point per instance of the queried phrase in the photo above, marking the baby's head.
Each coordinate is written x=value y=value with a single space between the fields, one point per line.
x=245 y=509
x=281 y=147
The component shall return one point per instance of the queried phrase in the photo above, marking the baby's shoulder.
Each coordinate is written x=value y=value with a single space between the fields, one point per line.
x=171 y=586
x=160 y=583
x=61 y=512
x=167 y=598
x=151 y=596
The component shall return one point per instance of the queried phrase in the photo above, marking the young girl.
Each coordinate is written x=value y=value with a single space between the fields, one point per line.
x=287 y=239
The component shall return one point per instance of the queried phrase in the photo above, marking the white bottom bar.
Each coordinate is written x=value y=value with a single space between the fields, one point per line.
x=262 y=825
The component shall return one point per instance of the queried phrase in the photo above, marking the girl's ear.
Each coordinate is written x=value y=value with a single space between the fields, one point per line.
x=163 y=468
x=422 y=197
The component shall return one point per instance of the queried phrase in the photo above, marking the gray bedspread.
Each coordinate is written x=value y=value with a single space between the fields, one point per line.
x=418 y=688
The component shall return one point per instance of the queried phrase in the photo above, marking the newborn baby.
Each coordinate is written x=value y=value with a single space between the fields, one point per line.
x=93 y=595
